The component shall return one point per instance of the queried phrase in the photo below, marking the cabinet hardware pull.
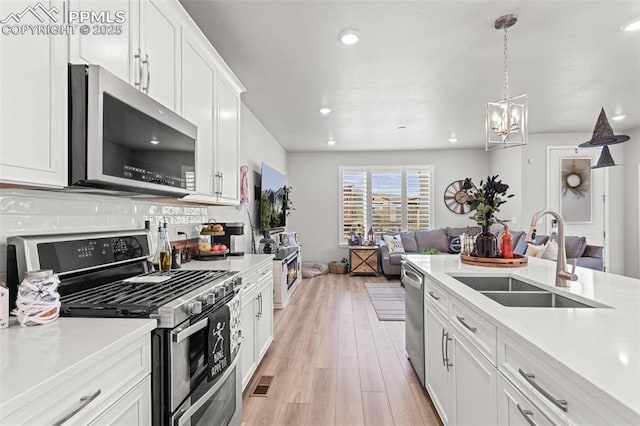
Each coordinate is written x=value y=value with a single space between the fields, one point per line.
x=527 y=414
x=84 y=401
x=530 y=378
x=257 y=299
x=221 y=183
x=180 y=334
x=444 y=363
x=432 y=294
x=463 y=322
x=138 y=80
x=260 y=305
x=146 y=62
x=446 y=351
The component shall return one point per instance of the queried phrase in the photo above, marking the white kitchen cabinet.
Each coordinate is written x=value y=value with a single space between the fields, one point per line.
x=256 y=317
x=514 y=409
x=198 y=79
x=134 y=408
x=227 y=155
x=441 y=364
x=33 y=111
x=475 y=385
x=143 y=50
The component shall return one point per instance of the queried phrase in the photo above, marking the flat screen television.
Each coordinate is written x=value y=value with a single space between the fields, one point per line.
x=273 y=199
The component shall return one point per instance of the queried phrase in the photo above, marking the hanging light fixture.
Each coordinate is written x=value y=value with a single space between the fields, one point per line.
x=506 y=119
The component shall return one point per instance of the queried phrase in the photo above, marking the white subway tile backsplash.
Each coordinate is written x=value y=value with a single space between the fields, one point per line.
x=172 y=210
x=106 y=208
x=52 y=206
x=27 y=224
x=17 y=205
x=125 y=222
x=82 y=223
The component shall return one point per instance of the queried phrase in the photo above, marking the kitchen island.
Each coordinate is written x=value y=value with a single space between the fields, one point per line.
x=590 y=357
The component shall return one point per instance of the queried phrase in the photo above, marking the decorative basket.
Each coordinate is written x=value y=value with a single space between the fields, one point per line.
x=337 y=268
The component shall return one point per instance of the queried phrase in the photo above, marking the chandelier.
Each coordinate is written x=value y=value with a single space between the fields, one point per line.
x=506 y=119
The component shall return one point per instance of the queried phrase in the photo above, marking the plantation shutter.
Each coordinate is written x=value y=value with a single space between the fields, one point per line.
x=418 y=199
x=386 y=200
x=354 y=202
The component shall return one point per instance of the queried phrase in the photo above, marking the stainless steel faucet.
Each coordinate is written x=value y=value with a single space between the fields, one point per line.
x=562 y=276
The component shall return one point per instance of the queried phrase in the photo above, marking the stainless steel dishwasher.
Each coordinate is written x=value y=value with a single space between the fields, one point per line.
x=413 y=282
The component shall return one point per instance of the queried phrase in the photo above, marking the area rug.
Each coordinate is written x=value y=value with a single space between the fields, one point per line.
x=387 y=300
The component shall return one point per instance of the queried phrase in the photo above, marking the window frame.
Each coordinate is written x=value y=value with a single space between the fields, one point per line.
x=342 y=242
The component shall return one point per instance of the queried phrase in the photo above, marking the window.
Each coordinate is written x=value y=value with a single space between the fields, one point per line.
x=387 y=198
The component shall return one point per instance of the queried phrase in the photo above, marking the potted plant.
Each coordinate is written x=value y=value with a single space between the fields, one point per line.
x=485 y=201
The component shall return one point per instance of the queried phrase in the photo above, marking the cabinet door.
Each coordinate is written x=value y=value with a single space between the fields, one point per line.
x=475 y=384
x=248 y=322
x=264 y=332
x=198 y=78
x=134 y=408
x=439 y=379
x=228 y=143
x=115 y=52
x=160 y=44
x=514 y=409
x=33 y=99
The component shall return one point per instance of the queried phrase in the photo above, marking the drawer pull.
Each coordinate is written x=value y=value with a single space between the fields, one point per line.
x=444 y=363
x=463 y=322
x=84 y=401
x=527 y=414
x=530 y=378
x=432 y=294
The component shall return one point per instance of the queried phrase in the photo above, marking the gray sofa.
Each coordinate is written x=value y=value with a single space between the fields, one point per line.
x=441 y=239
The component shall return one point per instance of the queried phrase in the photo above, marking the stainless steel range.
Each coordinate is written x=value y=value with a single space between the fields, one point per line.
x=196 y=376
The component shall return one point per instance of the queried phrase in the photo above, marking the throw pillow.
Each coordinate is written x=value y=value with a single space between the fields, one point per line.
x=454 y=244
x=551 y=251
x=535 y=251
x=394 y=242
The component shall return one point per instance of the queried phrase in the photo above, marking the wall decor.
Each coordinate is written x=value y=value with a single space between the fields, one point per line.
x=455 y=198
x=575 y=196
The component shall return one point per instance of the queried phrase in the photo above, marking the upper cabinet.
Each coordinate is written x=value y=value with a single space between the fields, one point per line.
x=228 y=143
x=143 y=50
x=33 y=99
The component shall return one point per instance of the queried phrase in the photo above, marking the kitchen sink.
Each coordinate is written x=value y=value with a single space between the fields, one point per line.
x=497 y=284
x=533 y=299
x=512 y=292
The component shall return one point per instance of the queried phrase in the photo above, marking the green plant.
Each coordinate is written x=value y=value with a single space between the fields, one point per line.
x=486 y=200
x=429 y=251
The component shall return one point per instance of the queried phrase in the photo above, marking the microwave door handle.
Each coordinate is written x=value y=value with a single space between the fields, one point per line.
x=186 y=414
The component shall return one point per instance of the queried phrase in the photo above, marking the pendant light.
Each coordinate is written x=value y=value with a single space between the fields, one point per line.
x=506 y=119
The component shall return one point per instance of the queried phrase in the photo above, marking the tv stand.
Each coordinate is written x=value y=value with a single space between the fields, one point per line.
x=287 y=274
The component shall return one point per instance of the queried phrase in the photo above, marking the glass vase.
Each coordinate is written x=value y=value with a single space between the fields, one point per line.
x=486 y=244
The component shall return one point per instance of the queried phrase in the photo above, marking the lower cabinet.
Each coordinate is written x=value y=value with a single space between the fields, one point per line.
x=515 y=409
x=132 y=409
x=460 y=381
x=256 y=317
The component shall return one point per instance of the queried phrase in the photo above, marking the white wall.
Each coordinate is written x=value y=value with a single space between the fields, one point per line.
x=631 y=162
x=29 y=212
x=314 y=178
x=507 y=164
x=257 y=146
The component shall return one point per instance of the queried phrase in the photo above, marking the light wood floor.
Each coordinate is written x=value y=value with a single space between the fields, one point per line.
x=335 y=364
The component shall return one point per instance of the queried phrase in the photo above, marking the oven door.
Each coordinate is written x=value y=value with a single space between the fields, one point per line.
x=220 y=404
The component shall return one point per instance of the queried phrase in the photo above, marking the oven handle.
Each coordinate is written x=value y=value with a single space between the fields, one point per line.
x=180 y=334
x=185 y=415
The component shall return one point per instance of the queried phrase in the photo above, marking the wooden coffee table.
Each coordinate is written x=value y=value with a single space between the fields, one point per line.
x=363 y=260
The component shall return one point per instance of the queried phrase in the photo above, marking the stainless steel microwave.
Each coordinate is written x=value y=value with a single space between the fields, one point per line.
x=121 y=139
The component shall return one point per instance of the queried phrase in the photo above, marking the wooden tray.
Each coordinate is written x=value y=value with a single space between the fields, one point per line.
x=215 y=234
x=212 y=253
x=495 y=262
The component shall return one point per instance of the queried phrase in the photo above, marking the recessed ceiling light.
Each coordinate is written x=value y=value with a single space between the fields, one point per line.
x=349 y=37
x=154 y=142
x=631 y=26
x=331 y=142
x=453 y=139
x=325 y=110
x=619 y=117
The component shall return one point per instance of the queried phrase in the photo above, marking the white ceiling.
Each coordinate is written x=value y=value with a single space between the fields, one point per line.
x=427 y=65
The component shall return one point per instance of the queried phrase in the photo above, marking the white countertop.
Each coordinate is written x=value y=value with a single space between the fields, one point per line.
x=600 y=345
x=229 y=263
x=33 y=356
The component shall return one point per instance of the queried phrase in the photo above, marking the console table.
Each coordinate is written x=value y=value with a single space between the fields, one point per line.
x=364 y=260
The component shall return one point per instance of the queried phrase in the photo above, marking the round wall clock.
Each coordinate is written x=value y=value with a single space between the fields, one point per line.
x=456 y=198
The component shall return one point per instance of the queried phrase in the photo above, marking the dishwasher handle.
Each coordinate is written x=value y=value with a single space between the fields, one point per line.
x=411 y=277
